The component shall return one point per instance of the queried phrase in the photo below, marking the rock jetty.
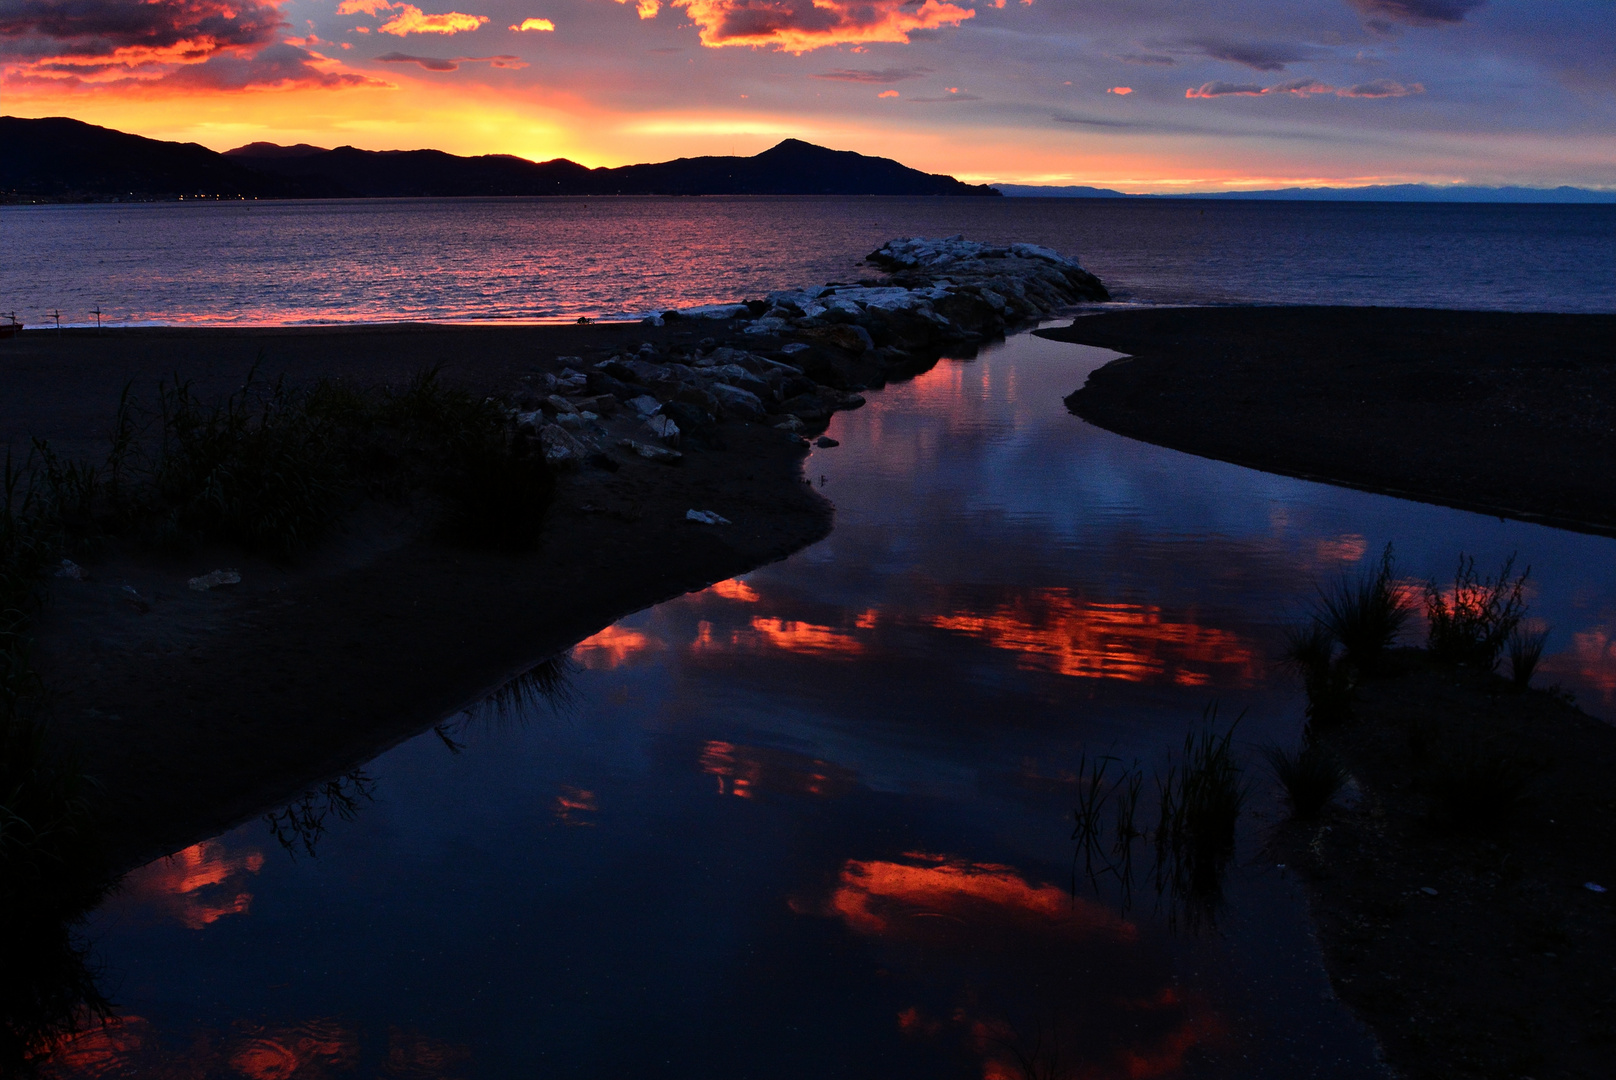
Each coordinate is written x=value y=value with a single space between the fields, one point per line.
x=795 y=357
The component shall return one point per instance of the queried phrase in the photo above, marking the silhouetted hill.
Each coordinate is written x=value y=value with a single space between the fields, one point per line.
x=64 y=160
x=395 y=173
x=60 y=159
x=791 y=168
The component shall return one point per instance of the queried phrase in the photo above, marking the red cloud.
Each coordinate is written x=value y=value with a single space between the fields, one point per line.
x=1225 y=89
x=278 y=67
x=134 y=34
x=799 y=26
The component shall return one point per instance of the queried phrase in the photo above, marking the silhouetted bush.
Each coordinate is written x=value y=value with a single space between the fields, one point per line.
x=1471 y=624
x=1311 y=776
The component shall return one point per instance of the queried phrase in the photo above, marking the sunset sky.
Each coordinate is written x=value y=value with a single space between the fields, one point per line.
x=1144 y=95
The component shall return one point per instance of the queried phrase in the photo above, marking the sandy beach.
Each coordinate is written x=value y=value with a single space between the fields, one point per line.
x=1502 y=413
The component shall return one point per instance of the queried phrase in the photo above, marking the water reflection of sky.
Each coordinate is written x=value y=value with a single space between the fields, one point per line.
x=815 y=821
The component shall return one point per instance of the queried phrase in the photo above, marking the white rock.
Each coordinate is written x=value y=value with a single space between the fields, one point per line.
x=645 y=405
x=716 y=311
x=664 y=428
x=794 y=348
x=706 y=517
x=561 y=447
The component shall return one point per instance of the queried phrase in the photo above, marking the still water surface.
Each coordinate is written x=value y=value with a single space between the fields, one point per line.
x=535 y=259
x=815 y=821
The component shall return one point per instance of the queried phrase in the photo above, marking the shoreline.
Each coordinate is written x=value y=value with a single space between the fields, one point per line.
x=1501 y=413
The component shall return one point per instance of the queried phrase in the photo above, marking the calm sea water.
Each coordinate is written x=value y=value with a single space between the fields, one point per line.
x=815 y=822
x=475 y=259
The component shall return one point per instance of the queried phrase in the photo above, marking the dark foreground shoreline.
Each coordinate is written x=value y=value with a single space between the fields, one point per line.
x=195 y=711
x=1501 y=413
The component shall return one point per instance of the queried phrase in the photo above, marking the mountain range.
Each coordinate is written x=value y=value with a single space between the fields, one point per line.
x=63 y=160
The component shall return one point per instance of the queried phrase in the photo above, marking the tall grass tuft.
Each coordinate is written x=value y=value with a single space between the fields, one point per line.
x=1365 y=615
x=260 y=469
x=1311 y=776
x=1472 y=624
x=1525 y=650
x=1200 y=798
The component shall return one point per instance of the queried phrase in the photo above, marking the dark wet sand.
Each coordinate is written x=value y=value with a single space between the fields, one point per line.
x=1501 y=413
x=206 y=709
x=1471 y=954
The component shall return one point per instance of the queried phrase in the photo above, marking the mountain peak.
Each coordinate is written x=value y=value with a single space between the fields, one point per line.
x=274 y=150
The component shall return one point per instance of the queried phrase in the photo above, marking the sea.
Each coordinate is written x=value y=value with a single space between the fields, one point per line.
x=817 y=820
x=474 y=260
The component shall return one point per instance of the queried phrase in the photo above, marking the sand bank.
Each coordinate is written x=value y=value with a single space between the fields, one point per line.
x=1501 y=413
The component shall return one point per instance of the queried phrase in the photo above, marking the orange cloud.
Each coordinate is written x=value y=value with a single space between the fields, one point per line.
x=197 y=886
x=882 y=898
x=572 y=803
x=1120 y=90
x=534 y=24
x=611 y=648
x=736 y=589
x=887 y=93
x=799 y=26
x=412 y=20
x=1056 y=631
x=647 y=9
x=743 y=771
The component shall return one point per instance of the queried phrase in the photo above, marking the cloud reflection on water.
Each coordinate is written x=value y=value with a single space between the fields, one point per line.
x=1064 y=994
x=1053 y=629
x=197 y=886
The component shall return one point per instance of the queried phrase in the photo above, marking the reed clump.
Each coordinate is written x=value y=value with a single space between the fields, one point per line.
x=1525 y=650
x=1365 y=615
x=1199 y=799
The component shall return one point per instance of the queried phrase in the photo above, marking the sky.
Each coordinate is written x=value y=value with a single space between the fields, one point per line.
x=1141 y=95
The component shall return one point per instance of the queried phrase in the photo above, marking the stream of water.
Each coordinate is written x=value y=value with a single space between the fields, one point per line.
x=816 y=821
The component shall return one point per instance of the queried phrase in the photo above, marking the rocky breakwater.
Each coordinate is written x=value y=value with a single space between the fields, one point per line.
x=793 y=358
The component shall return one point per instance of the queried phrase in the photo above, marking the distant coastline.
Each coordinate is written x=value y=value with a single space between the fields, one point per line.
x=1378 y=193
